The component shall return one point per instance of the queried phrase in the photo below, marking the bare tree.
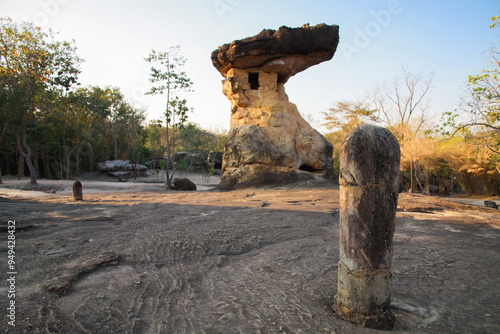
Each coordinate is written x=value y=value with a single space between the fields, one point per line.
x=403 y=103
x=402 y=106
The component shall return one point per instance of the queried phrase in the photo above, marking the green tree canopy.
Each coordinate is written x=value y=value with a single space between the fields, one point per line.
x=168 y=78
x=34 y=68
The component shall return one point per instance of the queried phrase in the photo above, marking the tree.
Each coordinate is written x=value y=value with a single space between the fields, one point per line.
x=421 y=153
x=177 y=108
x=346 y=115
x=92 y=124
x=155 y=141
x=194 y=139
x=33 y=67
x=104 y=115
x=107 y=125
x=343 y=117
x=168 y=78
x=477 y=121
x=402 y=103
x=402 y=108
x=472 y=164
x=482 y=107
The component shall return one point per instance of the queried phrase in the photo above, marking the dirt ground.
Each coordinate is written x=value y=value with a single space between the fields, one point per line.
x=136 y=258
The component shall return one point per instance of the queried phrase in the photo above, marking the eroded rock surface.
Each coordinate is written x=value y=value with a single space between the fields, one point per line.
x=285 y=51
x=269 y=142
x=369 y=180
x=183 y=184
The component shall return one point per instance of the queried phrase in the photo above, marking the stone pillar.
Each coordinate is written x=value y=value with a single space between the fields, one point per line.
x=77 y=191
x=369 y=178
x=269 y=142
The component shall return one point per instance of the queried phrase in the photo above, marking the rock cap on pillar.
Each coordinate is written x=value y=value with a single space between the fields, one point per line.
x=286 y=51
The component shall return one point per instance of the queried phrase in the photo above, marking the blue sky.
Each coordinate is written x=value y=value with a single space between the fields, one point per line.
x=449 y=39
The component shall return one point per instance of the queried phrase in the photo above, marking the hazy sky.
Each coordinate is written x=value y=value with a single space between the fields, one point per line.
x=450 y=39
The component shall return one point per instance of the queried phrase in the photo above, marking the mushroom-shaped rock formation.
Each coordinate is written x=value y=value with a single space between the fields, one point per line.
x=269 y=142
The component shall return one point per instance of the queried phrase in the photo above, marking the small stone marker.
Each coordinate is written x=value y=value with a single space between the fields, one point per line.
x=77 y=191
x=369 y=179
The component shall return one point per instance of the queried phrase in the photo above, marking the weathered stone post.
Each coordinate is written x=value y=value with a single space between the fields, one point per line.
x=369 y=176
x=77 y=191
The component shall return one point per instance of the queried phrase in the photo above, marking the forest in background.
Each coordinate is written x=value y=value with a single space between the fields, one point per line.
x=461 y=150
x=51 y=127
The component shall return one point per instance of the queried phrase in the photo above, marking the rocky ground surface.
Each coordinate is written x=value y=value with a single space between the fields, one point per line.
x=136 y=258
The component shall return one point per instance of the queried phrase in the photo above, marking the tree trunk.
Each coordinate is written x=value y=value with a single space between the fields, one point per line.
x=35 y=162
x=7 y=169
x=169 y=179
x=91 y=158
x=1 y=175
x=68 y=163
x=78 y=151
x=411 y=177
x=46 y=167
x=20 y=166
x=67 y=166
x=26 y=155
x=77 y=163
x=427 y=190
x=418 y=183
x=116 y=148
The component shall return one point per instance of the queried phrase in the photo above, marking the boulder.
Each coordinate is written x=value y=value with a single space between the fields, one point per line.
x=268 y=140
x=183 y=184
x=491 y=204
x=180 y=155
x=122 y=169
x=115 y=165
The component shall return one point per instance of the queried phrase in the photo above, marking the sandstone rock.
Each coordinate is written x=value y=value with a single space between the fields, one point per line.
x=268 y=140
x=285 y=51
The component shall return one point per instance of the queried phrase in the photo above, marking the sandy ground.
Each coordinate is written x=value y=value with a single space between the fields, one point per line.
x=97 y=183
x=134 y=257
